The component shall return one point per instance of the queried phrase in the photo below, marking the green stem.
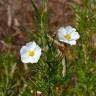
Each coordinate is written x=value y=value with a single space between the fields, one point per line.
x=37 y=13
x=49 y=86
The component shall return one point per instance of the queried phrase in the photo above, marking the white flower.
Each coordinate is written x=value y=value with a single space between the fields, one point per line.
x=32 y=91
x=39 y=92
x=68 y=35
x=30 y=53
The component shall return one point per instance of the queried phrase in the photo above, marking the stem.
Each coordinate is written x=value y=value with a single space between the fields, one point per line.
x=49 y=87
x=37 y=14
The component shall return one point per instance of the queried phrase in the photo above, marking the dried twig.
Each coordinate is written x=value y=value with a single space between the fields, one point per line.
x=6 y=45
x=9 y=15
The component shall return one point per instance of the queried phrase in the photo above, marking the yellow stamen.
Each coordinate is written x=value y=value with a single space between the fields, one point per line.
x=31 y=53
x=67 y=36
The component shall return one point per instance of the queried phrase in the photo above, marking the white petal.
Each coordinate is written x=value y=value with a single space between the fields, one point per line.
x=23 y=53
x=37 y=55
x=31 y=45
x=23 y=50
x=37 y=48
x=75 y=36
x=73 y=42
x=25 y=59
x=62 y=30
x=70 y=29
x=62 y=40
x=39 y=92
x=34 y=59
x=61 y=33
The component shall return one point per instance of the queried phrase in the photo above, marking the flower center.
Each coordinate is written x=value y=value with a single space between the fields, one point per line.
x=31 y=53
x=67 y=36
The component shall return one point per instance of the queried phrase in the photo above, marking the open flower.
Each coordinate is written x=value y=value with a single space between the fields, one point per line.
x=68 y=35
x=30 y=53
x=39 y=93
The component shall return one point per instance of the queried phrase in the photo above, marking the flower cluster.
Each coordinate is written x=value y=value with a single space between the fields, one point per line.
x=31 y=52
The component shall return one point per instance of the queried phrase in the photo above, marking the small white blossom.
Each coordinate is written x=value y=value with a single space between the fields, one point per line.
x=32 y=91
x=68 y=35
x=39 y=92
x=30 y=53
